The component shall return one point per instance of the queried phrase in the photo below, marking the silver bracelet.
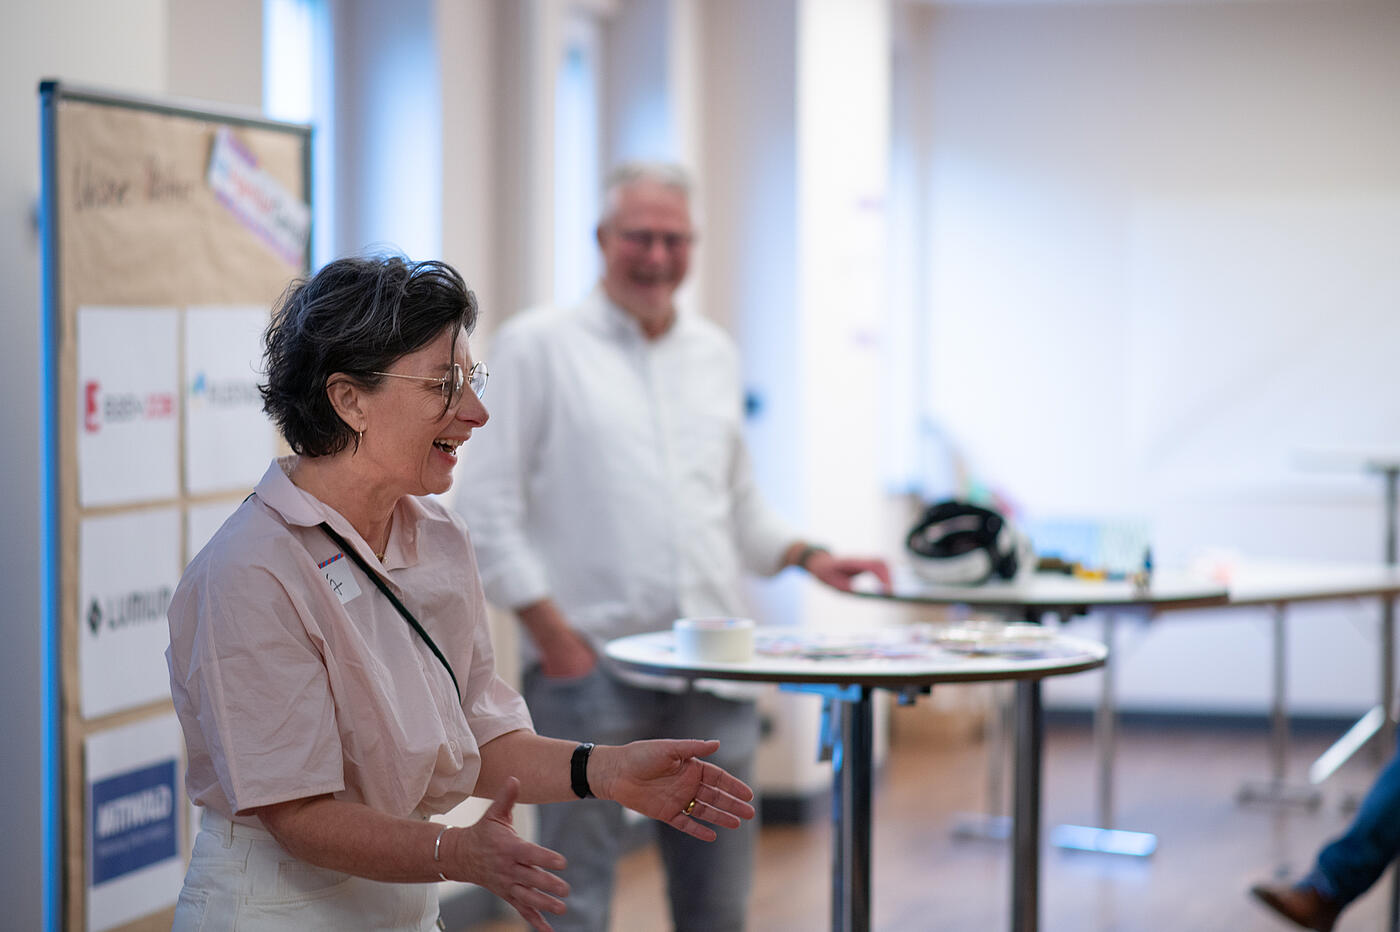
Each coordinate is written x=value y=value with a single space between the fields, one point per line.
x=437 y=849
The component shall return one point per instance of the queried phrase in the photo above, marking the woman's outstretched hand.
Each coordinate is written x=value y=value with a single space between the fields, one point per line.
x=490 y=854
x=666 y=780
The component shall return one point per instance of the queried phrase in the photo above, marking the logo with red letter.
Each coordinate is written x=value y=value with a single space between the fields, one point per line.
x=122 y=407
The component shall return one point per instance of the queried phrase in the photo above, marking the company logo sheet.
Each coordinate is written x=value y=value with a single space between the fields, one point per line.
x=134 y=797
x=228 y=438
x=130 y=564
x=128 y=405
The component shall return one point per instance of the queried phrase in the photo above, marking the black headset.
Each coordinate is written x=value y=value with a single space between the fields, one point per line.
x=964 y=544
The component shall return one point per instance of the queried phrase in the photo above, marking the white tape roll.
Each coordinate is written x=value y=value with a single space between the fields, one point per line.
x=714 y=640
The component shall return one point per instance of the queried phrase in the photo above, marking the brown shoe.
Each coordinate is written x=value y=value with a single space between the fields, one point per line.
x=1302 y=904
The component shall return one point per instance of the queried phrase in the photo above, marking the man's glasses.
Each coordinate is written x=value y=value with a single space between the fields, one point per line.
x=642 y=239
x=452 y=383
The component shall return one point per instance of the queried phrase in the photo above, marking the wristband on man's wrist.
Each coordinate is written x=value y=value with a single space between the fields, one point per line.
x=807 y=552
x=578 y=771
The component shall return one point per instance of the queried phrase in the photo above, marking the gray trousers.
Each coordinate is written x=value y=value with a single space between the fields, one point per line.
x=708 y=882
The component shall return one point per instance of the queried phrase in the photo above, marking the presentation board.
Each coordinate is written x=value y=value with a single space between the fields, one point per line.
x=169 y=231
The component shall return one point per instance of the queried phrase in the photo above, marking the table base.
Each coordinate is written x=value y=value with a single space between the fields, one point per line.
x=1103 y=840
x=978 y=826
x=1357 y=736
x=1279 y=793
x=852 y=763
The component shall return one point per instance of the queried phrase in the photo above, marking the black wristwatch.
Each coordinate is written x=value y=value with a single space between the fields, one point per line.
x=578 y=770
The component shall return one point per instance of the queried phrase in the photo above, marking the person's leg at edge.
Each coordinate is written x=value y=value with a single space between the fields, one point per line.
x=709 y=882
x=1348 y=867
x=587 y=832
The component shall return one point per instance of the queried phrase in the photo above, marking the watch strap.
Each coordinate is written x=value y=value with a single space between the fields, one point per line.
x=578 y=771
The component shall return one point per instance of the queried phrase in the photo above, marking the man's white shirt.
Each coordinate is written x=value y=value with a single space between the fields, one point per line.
x=613 y=476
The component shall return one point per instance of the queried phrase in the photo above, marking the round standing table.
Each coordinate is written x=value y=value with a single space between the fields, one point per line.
x=847 y=680
x=1039 y=594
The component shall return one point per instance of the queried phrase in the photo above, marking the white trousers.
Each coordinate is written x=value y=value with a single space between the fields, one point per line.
x=241 y=879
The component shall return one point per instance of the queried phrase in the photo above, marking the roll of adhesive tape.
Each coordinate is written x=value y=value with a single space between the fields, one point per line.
x=714 y=640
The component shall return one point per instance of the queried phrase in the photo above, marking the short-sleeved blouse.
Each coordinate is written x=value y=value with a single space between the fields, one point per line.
x=294 y=676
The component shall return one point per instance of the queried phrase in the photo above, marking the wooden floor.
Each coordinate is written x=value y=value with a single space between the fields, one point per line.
x=1178 y=782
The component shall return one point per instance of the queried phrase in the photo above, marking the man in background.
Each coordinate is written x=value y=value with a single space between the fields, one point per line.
x=611 y=496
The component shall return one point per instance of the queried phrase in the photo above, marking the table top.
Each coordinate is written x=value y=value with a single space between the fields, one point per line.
x=1350 y=459
x=887 y=657
x=1266 y=583
x=1248 y=583
x=1055 y=592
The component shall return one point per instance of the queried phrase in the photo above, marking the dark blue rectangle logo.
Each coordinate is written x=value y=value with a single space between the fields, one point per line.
x=132 y=821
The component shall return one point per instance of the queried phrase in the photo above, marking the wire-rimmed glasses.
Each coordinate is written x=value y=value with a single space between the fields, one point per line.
x=451 y=384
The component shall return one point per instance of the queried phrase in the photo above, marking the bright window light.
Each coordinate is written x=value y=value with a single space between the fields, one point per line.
x=298 y=81
x=288 y=59
x=576 y=164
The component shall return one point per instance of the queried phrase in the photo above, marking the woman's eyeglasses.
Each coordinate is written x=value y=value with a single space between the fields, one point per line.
x=452 y=383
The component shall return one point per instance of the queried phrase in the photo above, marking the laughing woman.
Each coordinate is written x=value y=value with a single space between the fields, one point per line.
x=329 y=656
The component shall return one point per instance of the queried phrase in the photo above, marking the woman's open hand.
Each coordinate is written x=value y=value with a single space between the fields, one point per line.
x=490 y=854
x=666 y=780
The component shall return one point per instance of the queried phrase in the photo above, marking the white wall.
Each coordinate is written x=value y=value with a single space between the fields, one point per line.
x=138 y=47
x=228 y=70
x=638 y=115
x=388 y=128
x=84 y=42
x=1163 y=263
x=655 y=90
x=471 y=91
x=750 y=245
x=842 y=163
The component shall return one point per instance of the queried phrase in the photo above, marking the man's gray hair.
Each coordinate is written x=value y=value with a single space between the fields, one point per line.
x=667 y=174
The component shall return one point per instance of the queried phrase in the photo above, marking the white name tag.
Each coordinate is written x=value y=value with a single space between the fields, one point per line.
x=340 y=578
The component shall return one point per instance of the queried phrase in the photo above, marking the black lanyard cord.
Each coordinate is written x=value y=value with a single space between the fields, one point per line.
x=407 y=615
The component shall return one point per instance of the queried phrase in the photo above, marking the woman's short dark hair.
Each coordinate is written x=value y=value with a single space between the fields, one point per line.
x=354 y=316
